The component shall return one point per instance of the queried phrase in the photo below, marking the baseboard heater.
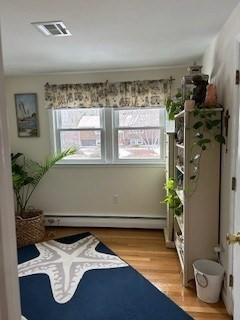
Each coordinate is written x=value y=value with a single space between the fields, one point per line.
x=105 y=221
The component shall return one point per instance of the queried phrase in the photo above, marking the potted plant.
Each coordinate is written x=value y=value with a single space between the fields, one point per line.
x=26 y=175
x=171 y=199
x=174 y=105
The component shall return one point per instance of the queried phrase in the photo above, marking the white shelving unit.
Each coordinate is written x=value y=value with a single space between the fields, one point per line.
x=180 y=223
x=196 y=230
x=180 y=168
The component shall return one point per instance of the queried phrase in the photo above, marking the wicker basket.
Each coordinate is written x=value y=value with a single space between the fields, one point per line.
x=30 y=228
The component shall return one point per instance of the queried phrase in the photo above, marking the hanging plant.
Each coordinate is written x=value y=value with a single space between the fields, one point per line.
x=171 y=199
x=206 y=128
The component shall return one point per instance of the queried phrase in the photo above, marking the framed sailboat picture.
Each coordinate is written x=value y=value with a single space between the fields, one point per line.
x=27 y=114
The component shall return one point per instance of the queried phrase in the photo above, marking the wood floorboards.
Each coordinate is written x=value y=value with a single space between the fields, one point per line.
x=145 y=251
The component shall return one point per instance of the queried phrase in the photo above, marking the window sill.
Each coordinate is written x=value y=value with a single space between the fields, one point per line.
x=74 y=164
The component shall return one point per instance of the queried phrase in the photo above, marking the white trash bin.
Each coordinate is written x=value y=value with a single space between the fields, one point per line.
x=209 y=277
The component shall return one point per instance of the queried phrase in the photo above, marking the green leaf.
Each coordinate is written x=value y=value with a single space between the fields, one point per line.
x=212 y=123
x=215 y=122
x=178 y=95
x=203 y=141
x=208 y=124
x=49 y=163
x=168 y=101
x=198 y=125
x=220 y=139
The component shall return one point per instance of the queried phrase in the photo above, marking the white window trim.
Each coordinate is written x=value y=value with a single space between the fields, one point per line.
x=55 y=141
x=109 y=145
x=146 y=161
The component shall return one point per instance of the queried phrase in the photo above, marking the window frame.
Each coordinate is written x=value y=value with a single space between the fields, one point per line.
x=116 y=128
x=109 y=141
x=56 y=132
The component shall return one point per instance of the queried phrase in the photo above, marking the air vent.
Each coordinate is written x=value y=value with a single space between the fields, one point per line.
x=53 y=28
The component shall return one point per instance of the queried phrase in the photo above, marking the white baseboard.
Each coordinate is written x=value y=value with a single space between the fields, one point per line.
x=109 y=221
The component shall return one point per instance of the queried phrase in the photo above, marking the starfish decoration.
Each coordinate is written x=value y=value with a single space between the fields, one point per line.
x=65 y=264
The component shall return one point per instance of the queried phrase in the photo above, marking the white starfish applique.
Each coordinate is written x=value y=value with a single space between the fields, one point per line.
x=65 y=264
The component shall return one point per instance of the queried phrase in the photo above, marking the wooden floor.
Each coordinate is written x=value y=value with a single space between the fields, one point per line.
x=146 y=252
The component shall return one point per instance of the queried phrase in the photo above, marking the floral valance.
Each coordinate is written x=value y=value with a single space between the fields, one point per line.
x=118 y=94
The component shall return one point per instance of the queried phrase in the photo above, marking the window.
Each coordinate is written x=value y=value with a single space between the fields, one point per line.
x=109 y=135
x=139 y=134
x=81 y=129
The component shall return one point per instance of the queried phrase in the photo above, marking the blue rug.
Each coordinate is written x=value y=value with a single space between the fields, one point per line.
x=79 y=278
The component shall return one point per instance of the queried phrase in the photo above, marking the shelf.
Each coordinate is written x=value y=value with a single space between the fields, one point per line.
x=180 y=255
x=180 y=169
x=180 y=223
x=180 y=145
x=188 y=229
x=179 y=251
x=180 y=195
x=181 y=114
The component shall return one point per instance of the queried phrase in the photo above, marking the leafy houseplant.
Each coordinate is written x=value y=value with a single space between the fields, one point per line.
x=171 y=198
x=26 y=175
x=174 y=105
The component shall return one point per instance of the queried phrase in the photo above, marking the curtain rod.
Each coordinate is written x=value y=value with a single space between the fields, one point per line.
x=170 y=79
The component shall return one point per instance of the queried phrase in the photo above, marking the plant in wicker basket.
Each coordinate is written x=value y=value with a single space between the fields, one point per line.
x=26 y=175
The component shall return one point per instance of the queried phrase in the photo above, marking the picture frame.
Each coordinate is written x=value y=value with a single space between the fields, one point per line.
x=26 y=106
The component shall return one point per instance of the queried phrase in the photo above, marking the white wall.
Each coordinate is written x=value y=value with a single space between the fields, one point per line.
x=89 y=189
x=220 y=62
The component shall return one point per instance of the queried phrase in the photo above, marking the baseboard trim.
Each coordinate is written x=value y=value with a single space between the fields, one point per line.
x=68 y=220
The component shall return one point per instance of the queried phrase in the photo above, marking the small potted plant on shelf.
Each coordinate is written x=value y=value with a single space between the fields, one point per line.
x=172 y=199
x=174 y=105
x=26 y=175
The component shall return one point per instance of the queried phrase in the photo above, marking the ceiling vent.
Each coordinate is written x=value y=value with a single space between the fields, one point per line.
x=53 y=28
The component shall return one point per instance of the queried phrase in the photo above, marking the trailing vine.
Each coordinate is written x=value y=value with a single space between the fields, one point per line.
x=206 y=128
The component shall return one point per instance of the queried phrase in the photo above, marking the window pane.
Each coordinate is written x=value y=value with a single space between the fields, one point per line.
x=139 y=144
x=78 y=118
x=141 y=118
x=87 y=143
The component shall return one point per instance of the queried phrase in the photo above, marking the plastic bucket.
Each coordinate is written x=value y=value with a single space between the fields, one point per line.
x=209 y=277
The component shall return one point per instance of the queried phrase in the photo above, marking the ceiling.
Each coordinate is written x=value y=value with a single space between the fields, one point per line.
x=109 y=34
